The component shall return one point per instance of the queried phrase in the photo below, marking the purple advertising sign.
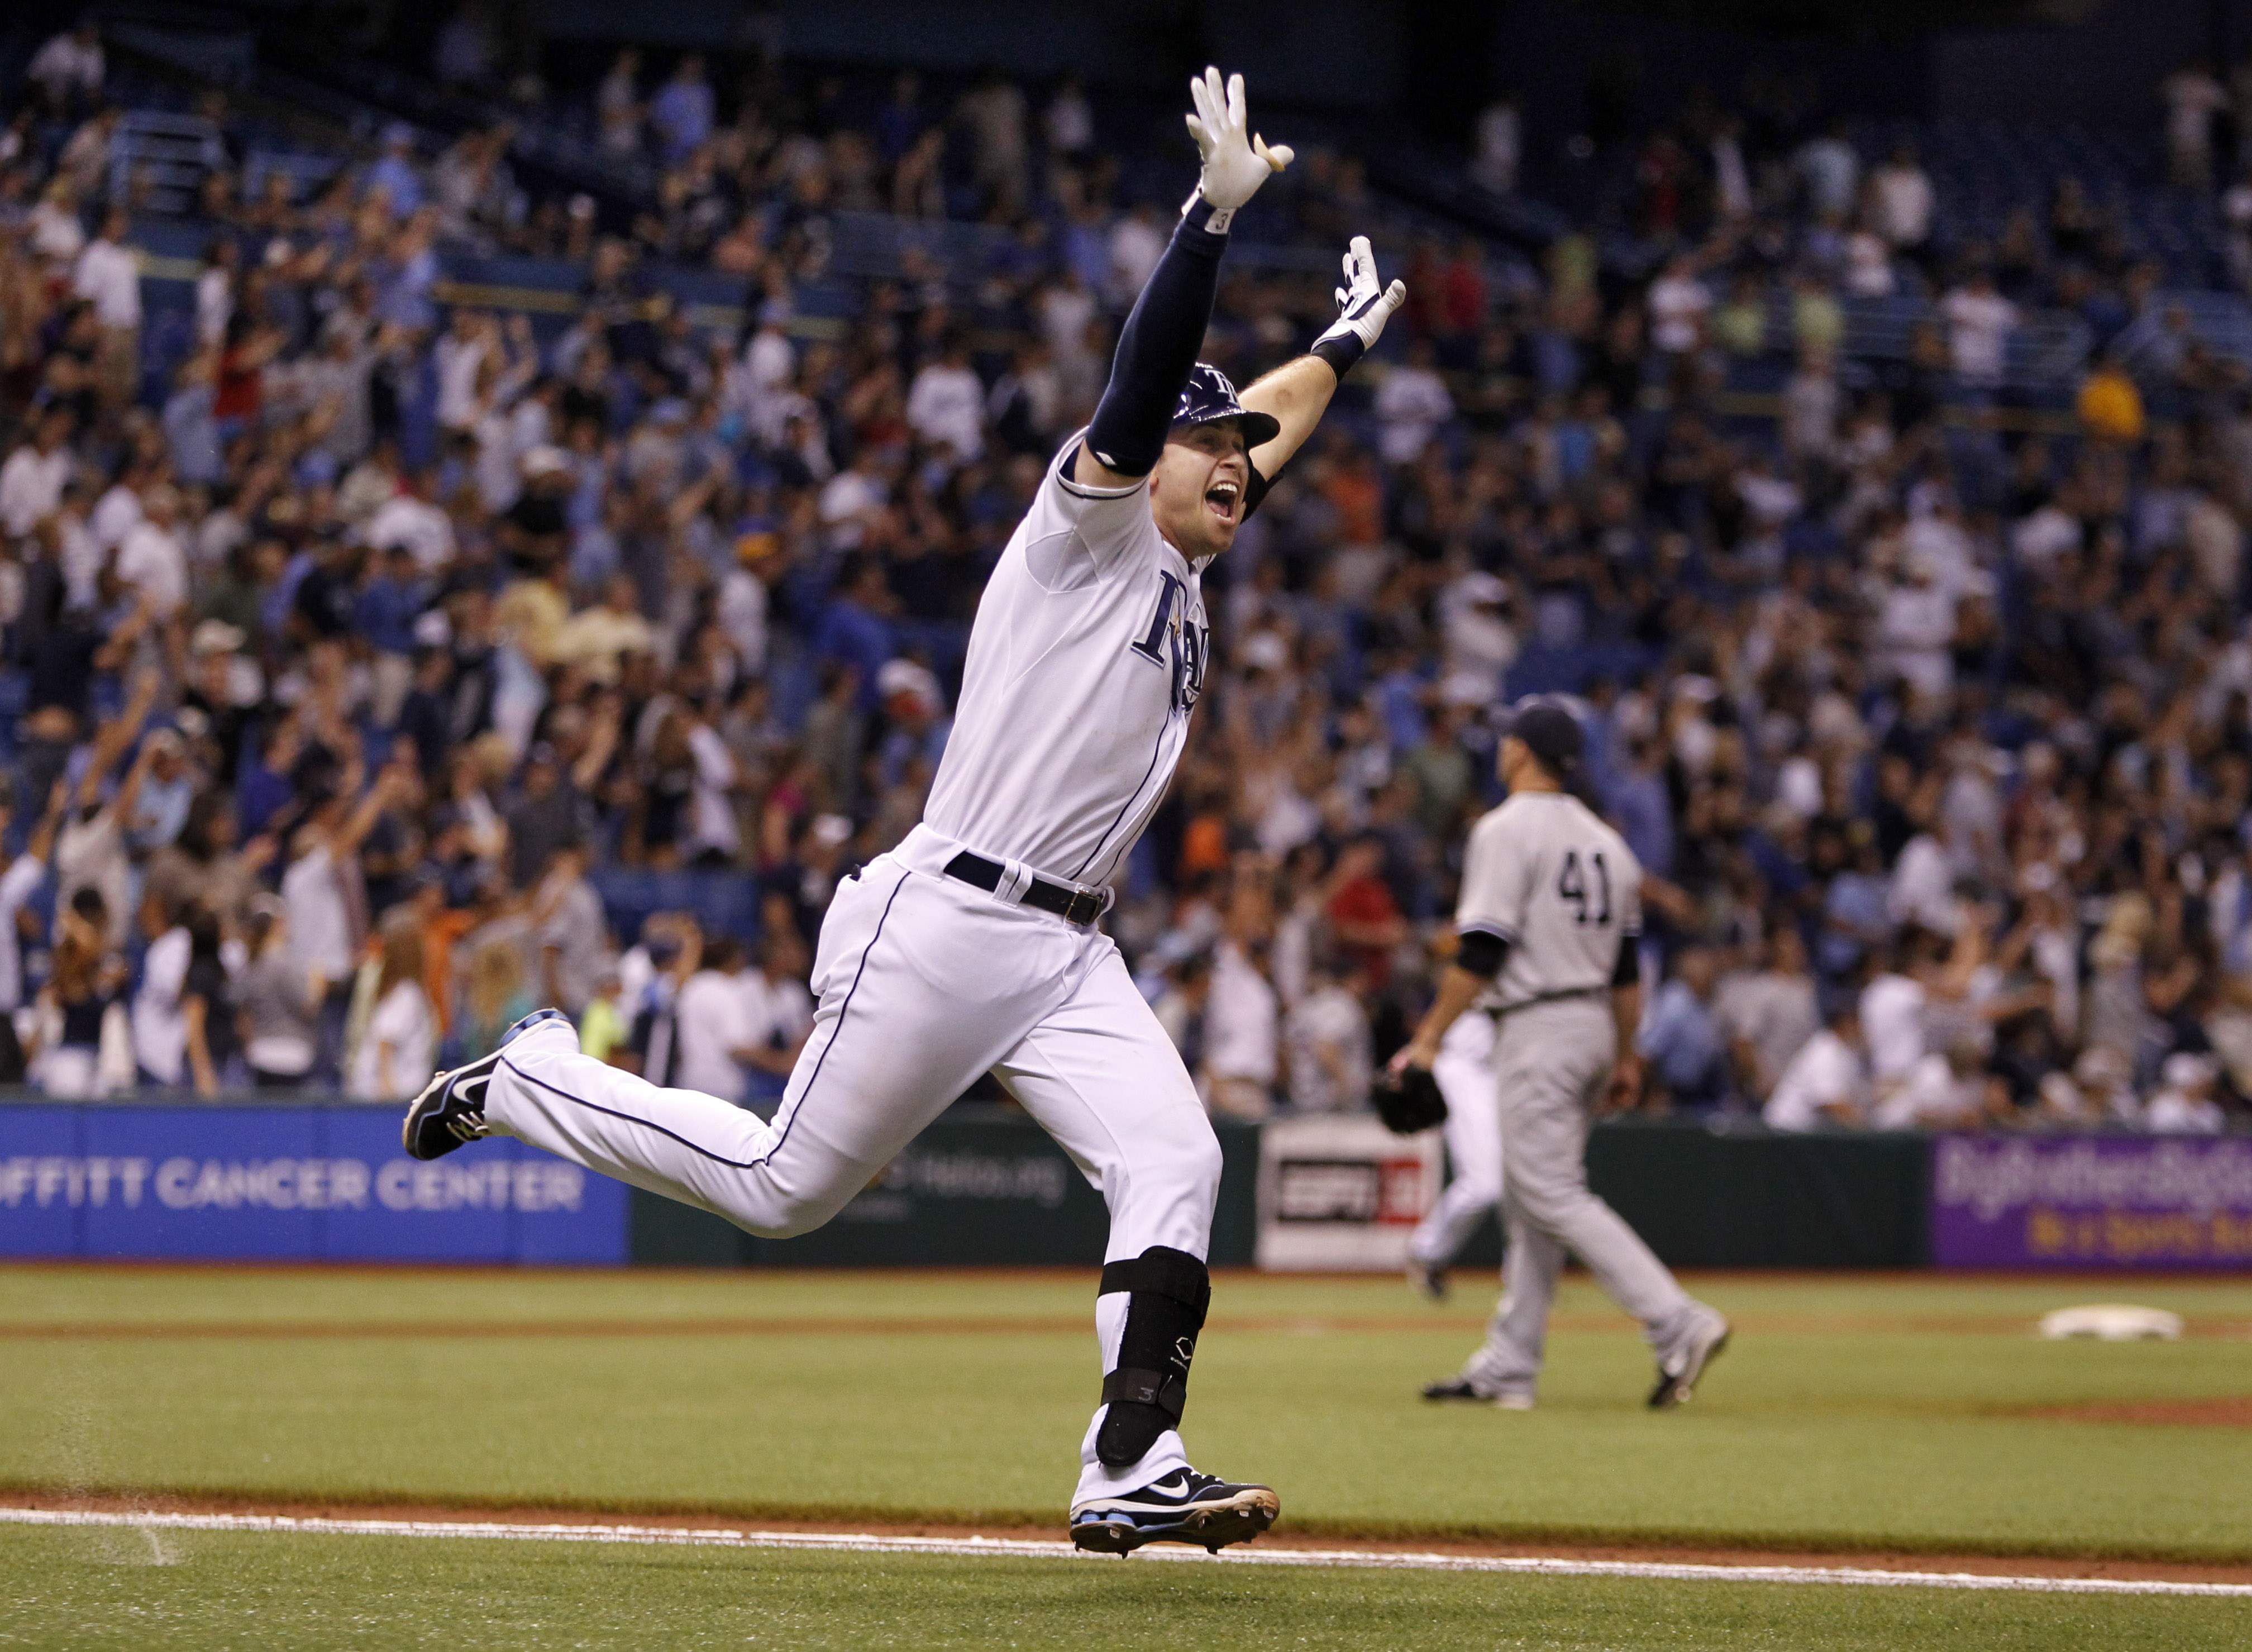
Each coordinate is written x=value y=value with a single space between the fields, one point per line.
x=2099 y=1202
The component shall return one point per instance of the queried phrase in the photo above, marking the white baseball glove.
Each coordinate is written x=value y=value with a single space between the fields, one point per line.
x=1362 y=307
x=1236 y=160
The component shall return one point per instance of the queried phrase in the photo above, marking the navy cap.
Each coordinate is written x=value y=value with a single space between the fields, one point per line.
x=1209 y=395
x=1550 y=733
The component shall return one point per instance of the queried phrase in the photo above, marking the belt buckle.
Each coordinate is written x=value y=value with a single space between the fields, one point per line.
x=1093 y=903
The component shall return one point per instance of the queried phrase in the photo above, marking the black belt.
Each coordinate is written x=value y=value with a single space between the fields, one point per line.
x=1073 y=905
x=1557 y=997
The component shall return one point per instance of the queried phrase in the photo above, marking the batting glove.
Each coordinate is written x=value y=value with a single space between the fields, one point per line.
x=1363 y=308
x=1236 y=160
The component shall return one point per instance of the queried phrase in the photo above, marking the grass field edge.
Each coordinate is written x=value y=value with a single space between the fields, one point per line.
x=1655 y=1538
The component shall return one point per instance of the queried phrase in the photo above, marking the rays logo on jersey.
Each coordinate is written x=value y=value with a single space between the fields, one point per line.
x=1189 y=641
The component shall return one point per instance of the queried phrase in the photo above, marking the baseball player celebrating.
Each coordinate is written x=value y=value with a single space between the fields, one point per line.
x=973 y=946
x=1550 y=911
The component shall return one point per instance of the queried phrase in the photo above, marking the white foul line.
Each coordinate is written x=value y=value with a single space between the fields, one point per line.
x=1025 y=1548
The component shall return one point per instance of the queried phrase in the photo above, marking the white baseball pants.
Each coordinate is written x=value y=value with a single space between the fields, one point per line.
x=1464 y=1071
x=924 y=982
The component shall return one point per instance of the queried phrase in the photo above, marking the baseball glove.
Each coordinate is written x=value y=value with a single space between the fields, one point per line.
x=1410 y=1101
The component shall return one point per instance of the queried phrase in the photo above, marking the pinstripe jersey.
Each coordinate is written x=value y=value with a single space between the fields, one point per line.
x=1086 y=658
x=1544 y=874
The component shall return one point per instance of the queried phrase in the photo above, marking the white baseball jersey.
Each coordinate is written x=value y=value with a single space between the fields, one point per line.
x=1544 y=874
x=1086 y=658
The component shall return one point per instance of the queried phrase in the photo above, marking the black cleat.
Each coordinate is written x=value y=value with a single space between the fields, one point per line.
x=451 y=1112
x=1459 y=1388
x=1676 y=1384
x=1184 y=1507
x=1429 y=1278
x=451 y=1108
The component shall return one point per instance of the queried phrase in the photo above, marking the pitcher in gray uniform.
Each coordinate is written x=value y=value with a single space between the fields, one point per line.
x=1550 y=911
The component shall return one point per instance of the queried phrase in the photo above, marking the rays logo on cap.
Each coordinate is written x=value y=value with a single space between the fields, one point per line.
x=1210 y=395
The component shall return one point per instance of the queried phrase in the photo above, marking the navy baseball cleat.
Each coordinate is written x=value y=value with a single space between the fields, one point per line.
x=1677 y=1374
x=451 y=1109
x=1184 y=1507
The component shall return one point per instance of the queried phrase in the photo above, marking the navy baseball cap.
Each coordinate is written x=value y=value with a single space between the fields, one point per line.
x=1209 y=395
x=1550 y=733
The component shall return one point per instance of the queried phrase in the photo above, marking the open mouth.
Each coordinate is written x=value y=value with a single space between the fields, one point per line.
x=1223 y=498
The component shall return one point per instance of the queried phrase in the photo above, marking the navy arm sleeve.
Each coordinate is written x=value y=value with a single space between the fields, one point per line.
x=1626 y=970
x=1482 y=953
x=1156 y=349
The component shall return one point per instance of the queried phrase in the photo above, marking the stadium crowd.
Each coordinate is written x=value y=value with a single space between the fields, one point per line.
x=358 y=651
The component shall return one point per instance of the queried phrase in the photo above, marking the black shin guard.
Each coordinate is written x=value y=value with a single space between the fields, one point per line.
x=1167 y=1293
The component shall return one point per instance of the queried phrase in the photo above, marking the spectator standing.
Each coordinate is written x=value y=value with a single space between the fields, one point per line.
x=1500 y=146
x=2185 y=1104
x=70 y=69
x=394 y=176
x=1903 y=200
x=994 y=112
x=17 y=884
x=326 y=900
x=1412 y=404
x=1979 y=323
x=87 y=980
x=1769 y=1014
x=575 y=948
x=1891 y=1008
x=1326 y=1034
x=151 y=561
x=1829 y=169
x=107 y=276
x=159 y=1022
x=946 y=405
x=1682 y=1039
x=32 y=481
x=207 y=1010
x=617 y=104
x=1242 y=1018
x=398 y=1050
x=495 y=995
x=2194 y=97
x=1136 y=243
x=278 y=1002
x=778 y=1011
x=1068 y=123
x=682 y=112
x=1678 y=309
x=1826 y=1084
x=713 y=1031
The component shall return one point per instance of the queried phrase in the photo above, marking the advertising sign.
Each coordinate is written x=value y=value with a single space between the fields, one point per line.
x=976 y=1188
x=286 y=1184
x=1342 y=1192
x=2100 y=1202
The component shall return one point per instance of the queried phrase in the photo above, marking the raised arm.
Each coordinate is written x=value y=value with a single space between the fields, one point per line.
x=114 y=737
x=1158 y=344
x=352 y=832
x=43 y=835
x=1298 y=392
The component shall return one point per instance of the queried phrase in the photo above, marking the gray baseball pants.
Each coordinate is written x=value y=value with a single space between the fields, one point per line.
x=1551 y=1063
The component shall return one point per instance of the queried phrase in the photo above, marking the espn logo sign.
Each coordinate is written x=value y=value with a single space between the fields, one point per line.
x=1340 y=1192
x=1381 y=1192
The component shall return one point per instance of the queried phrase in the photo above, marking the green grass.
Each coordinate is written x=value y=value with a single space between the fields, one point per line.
x=1850 y=1414
x=136 y=1590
